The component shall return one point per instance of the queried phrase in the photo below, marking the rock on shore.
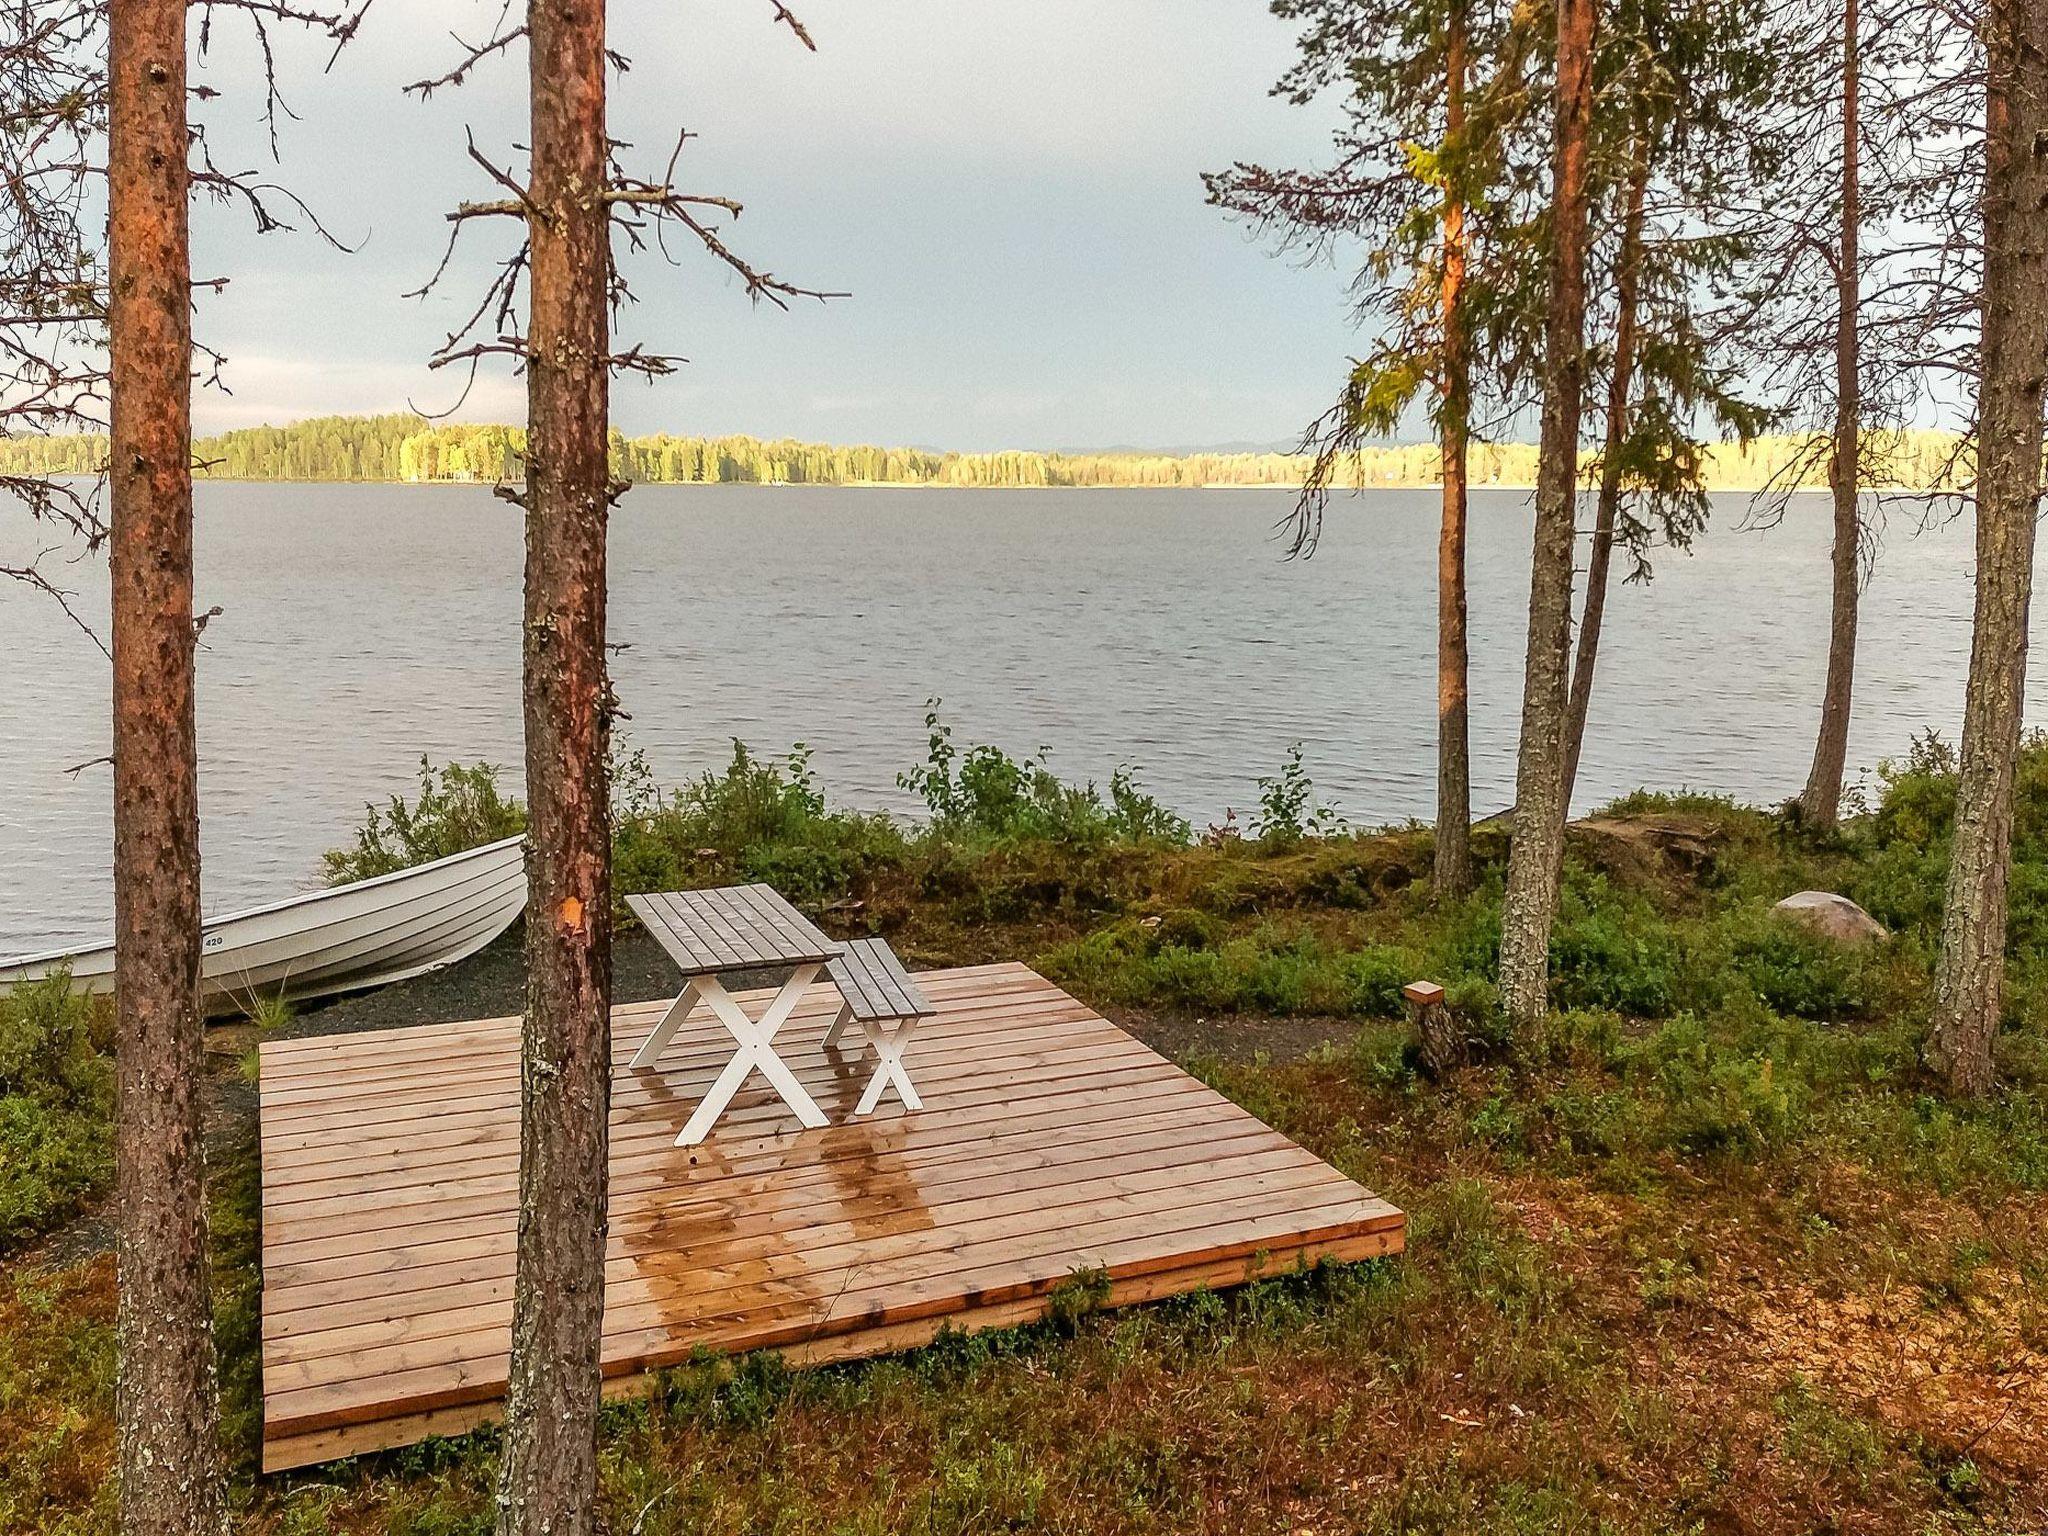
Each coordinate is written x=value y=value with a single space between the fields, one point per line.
x=1833 y=917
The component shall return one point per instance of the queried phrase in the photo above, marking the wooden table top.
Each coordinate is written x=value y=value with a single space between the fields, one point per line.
x=732 y=928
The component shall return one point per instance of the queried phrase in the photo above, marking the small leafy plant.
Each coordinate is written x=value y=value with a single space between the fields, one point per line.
x=1289 y=812
x=984 y=792
x=459 y=806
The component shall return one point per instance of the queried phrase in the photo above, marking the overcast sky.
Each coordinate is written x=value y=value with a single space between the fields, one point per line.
x=1010 y=191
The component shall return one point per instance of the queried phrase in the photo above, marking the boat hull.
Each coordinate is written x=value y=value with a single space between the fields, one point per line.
x=341 y=940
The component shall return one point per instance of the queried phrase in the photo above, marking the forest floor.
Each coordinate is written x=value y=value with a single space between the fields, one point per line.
x=1711 y=1255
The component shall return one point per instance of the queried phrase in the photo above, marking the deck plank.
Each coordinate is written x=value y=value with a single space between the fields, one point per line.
x=1052 y=1142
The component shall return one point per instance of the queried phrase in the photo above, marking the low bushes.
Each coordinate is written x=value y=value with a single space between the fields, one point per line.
x=459 y=806
x=56 y=1104
x=755 y=819
x=983 y=794
x=1664 y=913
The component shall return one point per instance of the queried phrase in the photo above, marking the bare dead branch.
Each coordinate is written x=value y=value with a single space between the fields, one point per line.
x=53 y=299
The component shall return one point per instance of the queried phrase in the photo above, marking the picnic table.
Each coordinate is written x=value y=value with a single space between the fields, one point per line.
x=714 y=932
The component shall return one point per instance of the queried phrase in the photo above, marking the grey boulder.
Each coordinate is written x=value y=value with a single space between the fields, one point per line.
x=1832 y=917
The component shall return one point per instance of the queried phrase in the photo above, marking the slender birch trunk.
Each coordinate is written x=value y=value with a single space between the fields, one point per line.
x=1453 y=660
x=1535 y=860
x=1970 y=972
x=549 y=1478
x=1600 y=560
x=1822 y=801
x=166 y=1399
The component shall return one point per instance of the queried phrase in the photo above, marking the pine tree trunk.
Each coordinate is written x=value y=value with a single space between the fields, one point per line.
x=1970 y=972
x=1600 y=560
x=549 y=1476
x=1536 y=857
x=166 y=1400
x=1453 y=661
x=1821 y=804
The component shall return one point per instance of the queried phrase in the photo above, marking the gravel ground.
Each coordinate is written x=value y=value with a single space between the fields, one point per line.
x=493 y=985
x=489 y=985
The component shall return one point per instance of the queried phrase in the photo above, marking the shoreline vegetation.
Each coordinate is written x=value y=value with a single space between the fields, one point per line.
x=1708 y=1253
x=406 y=449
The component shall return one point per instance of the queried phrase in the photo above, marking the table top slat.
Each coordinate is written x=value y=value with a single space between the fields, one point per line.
x=709 y=913
x=777 y=915
x=714 y=945
x=799 y=935
x=731 y=928
x=655 y=919
x=674 y=922
x=728 y=910
x=800 y=930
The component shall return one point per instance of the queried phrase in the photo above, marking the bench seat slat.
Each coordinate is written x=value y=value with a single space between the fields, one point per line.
x=875 y=984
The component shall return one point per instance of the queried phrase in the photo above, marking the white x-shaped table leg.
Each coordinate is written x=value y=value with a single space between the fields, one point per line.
x=889 y=1042
x=756 y=1049
x=665 y=1031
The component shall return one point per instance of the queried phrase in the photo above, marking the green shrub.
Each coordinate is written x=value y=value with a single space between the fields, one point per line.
x=1198 y=979
x=1960 y=1146
x=1905 y=848
x=750 y=803
x=459 y=806
x=1190 y=929
x=56 y=1106
x=1292 y=976
x=755 y=819
x=1467 y=937
x=1273 y=969
x=1137 y=816
x=1901 y=886
x=1592 y=1039
x=1607 y=953
x=1654 y=802
x=1288 y=809
x=1373 y=979
x=987 y=793
x=1595 y=1122
x=1716 y=1099
x=1917 y=799
x=1796 y=971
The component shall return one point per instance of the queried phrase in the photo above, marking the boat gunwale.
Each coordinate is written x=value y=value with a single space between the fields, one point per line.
x=304 y=898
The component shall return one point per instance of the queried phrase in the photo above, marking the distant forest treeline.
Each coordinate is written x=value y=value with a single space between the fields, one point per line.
x=407 y=448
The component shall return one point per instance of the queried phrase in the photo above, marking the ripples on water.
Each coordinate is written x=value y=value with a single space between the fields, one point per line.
x=365 y=625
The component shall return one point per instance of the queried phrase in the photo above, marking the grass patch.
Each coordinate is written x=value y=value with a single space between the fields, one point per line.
x=1708 y=1254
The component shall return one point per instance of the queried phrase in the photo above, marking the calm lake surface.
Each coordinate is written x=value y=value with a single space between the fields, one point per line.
x=365 y=625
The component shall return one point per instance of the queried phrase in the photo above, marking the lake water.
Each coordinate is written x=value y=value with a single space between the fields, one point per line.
x=365 y=625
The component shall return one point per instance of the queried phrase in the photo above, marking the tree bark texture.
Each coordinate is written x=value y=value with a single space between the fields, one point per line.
x=1607 y=505
x=166 y=1399
x=1536 y=856
x=1821 y=803
x=1970 y=972
x=1453 y=659
x=549 y=1475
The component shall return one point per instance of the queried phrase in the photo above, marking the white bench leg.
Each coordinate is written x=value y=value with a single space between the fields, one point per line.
x=845 y=1017
x=756 y=1053
x=889 y=1046
x=679 y=1010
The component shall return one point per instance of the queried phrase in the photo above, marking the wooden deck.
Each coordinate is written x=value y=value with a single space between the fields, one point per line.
x=1051 y=1142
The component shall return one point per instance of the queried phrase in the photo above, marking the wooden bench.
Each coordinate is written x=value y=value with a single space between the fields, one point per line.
x=882 y=1001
